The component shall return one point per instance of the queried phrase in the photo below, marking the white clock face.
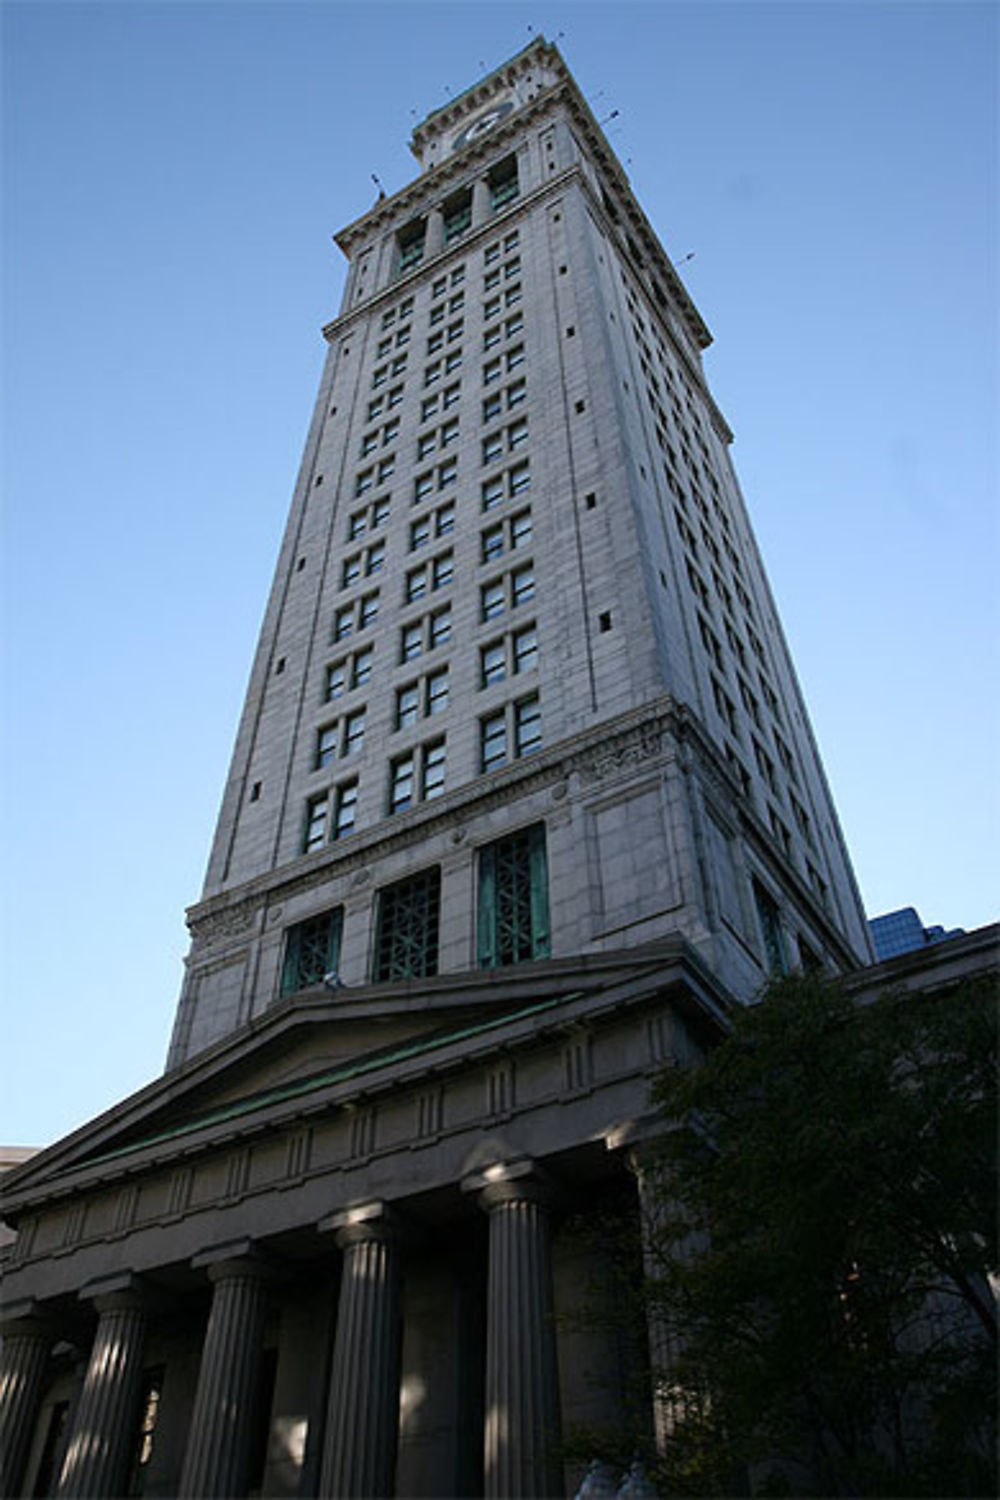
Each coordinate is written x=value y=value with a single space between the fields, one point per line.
x=482 y=123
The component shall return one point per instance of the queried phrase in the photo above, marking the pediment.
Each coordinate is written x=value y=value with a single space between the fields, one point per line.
x=320 y=1048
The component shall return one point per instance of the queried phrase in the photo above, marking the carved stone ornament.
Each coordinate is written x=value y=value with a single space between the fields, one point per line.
x=622 y=752
x=226 y=923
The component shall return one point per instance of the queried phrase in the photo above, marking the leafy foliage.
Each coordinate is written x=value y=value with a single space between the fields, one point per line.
x=823 y=1232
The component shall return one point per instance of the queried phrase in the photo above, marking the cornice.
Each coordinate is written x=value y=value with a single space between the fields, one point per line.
x=233 y=911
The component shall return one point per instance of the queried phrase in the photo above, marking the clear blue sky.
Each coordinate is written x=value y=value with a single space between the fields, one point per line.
x=172 y=176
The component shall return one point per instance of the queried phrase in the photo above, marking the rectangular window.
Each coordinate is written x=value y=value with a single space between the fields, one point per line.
x=492 y=664
x=493 y=741
x=512 y=919
x=350 y=571
x=345 y=809
x=326 y=746
x=354 y=733
x=411 y=641
x=525 y=649
x=492 y=544
x=315 y=829
x=450 y=396
x=493 y=492
x=406 y=942
x=367 y=611
x=492 y=600
x=343 y=622
x=312 y=950
x=516 y=392
x=433 y=765
x=437 y=692
x=440 y=628
x=375 y=558
x=770 y=926
x=336 y=680
x=420 y=533
x=429 y=408
x=407 y=705
x=522 y=586
x=527 y=726
x=362 y=667
x=401 y=773
x=520 y=529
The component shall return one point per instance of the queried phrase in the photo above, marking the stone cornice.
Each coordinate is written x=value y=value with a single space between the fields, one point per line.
x=233 y=911
x=640 y=977
x=418 y=195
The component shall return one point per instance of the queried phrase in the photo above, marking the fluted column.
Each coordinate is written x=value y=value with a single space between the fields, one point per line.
x=481 y=201
x=217 y=1457
x=522 y=1428
x=362 y=1415
x=27 y=1340
x=434 y=237
x=671 y=1402
x=104 y=1426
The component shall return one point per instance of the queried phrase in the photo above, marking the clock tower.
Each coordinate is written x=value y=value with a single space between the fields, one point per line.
x=484 y=107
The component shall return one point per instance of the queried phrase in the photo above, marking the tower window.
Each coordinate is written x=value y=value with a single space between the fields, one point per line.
x=503 y=182
x=312 y=950
x=411 y=245
x=406 y=942
x=513 y=909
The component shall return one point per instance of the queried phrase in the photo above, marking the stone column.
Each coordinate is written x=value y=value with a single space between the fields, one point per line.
x=434 y=236
x=104 y=1431
x=362 y=1415
x=27 y=1340
x=522 y=1429
x=221 y=1434
x=670 y=1401
x=482 y=203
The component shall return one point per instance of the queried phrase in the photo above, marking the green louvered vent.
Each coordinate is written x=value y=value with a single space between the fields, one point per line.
x=407 y=942
x=513 y=921
x=312 y=949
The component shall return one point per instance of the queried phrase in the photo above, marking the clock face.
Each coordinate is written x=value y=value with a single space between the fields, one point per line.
x=482 y=123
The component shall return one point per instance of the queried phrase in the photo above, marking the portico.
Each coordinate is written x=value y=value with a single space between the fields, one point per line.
x=374 y=1264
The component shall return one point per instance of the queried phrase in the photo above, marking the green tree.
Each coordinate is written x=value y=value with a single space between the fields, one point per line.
x=824 y=1235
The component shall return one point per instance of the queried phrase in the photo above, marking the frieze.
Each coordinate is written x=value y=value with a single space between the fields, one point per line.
x=229 y=922
x=642 y=743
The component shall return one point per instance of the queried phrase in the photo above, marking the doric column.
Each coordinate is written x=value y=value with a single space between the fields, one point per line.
x=669 y=1400
x=362 y=1415
x=104 y=1425
x=220 y=1437
x=434 y=237
x=27 y=1339
x=481 y=201
x=522 y=1431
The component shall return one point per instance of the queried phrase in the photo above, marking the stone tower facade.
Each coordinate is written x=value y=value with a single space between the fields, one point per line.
x=523 y=802
x=521 y=690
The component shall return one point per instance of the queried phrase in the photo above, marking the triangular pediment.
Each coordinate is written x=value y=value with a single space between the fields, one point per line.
x=320 y=1046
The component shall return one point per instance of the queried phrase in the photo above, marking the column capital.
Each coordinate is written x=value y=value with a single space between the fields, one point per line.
x=27 y=1318
x=363 y=1222
x=518 y=1181
x=234 y=1258
x=122 y=1290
